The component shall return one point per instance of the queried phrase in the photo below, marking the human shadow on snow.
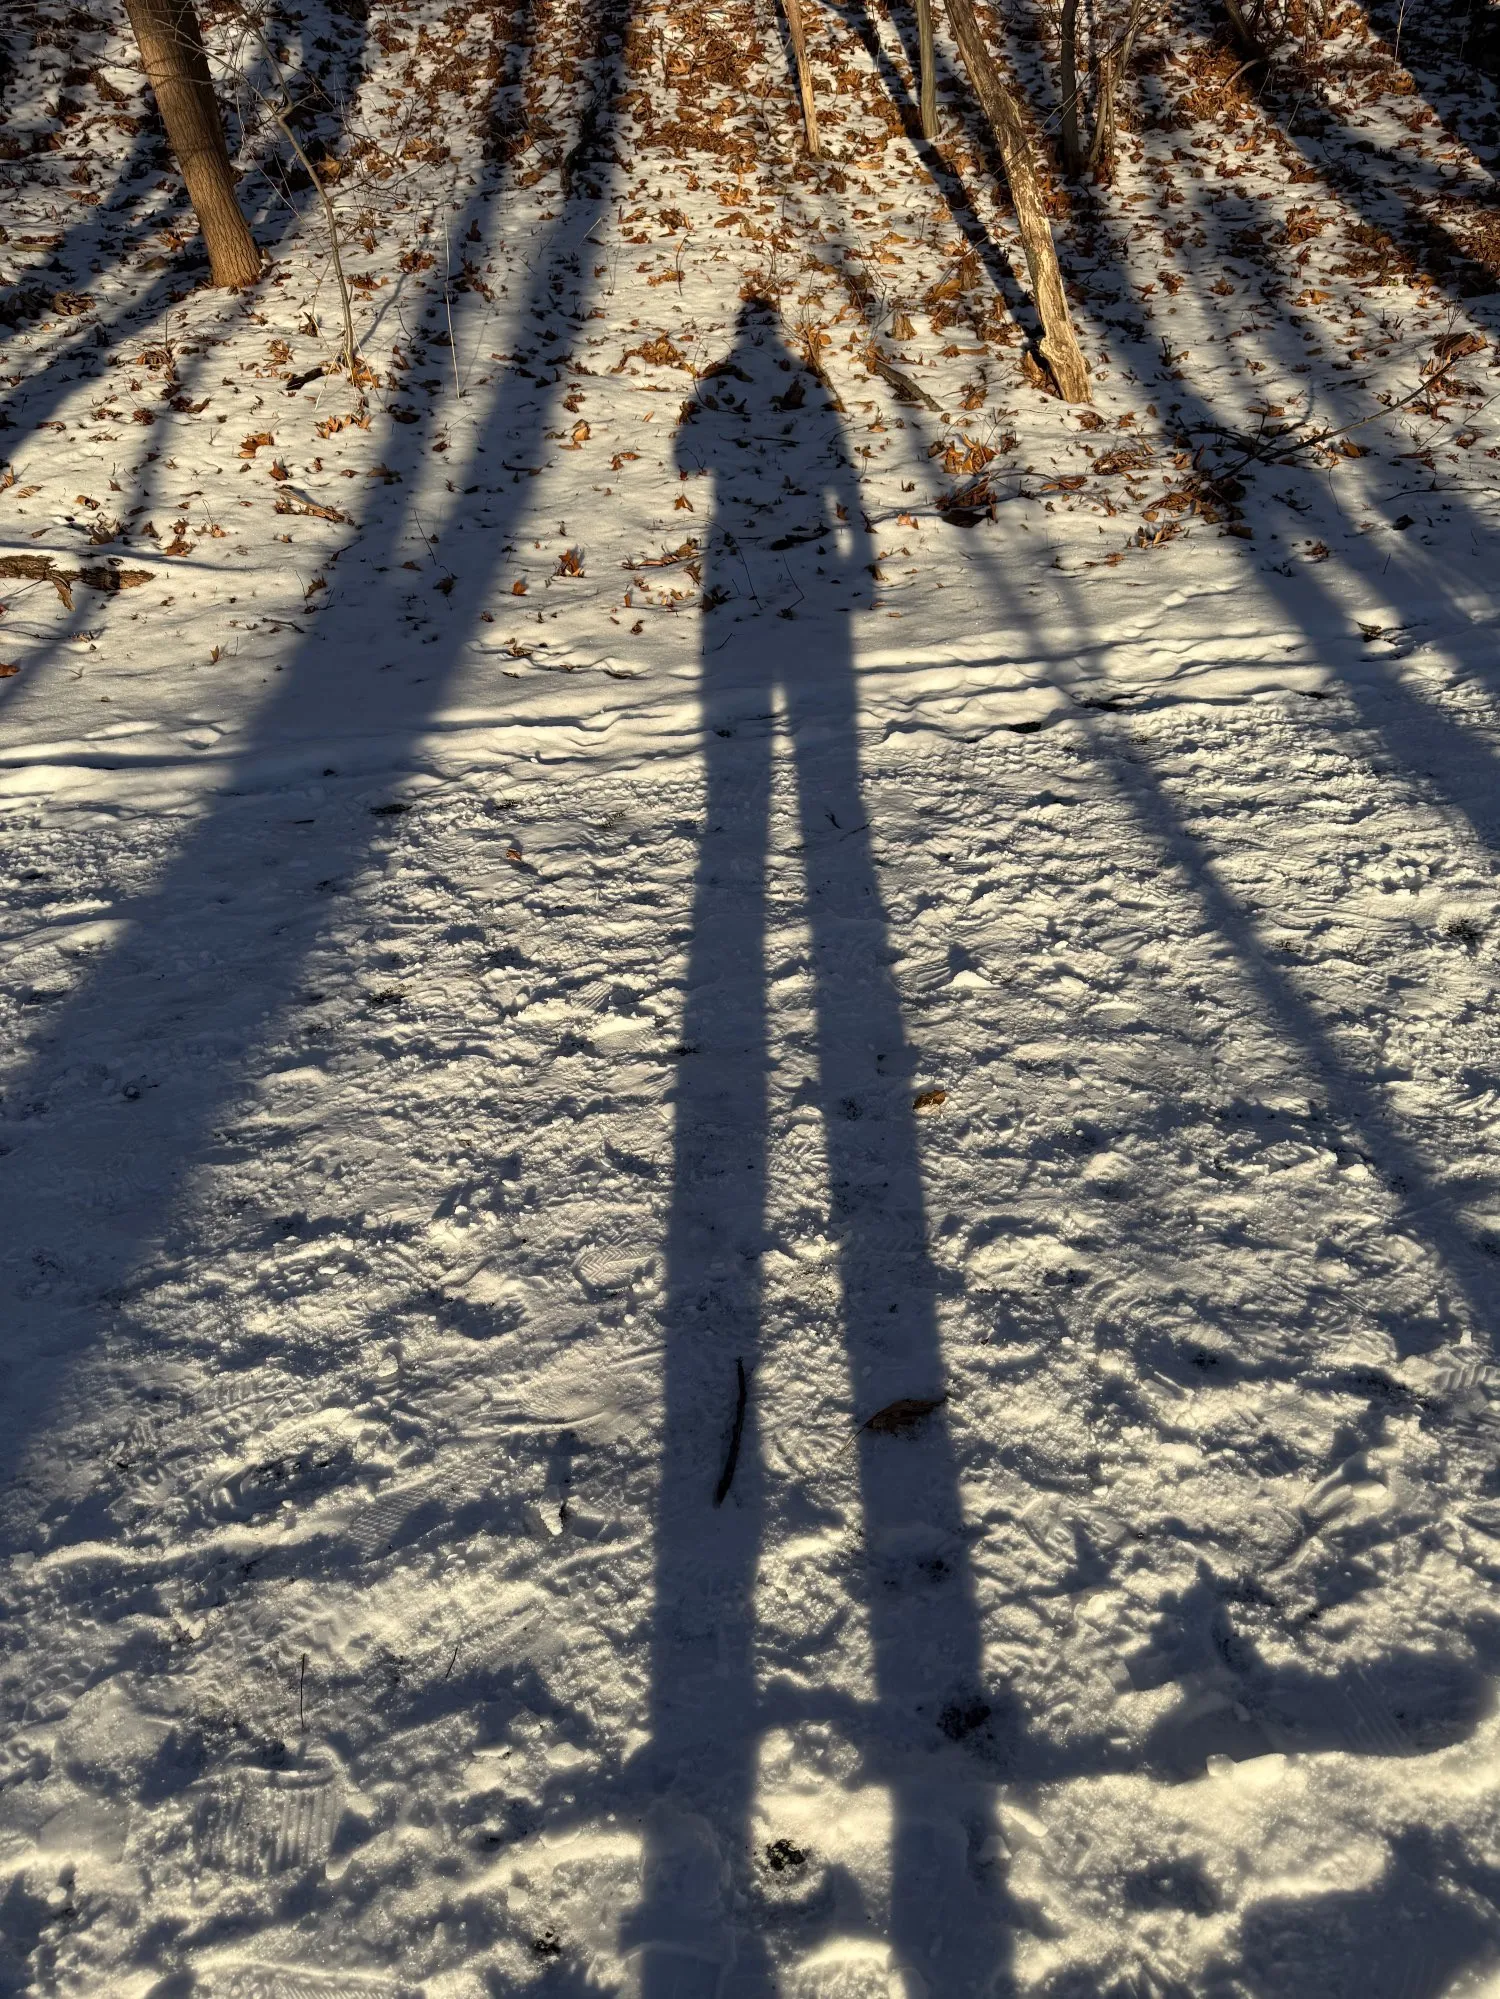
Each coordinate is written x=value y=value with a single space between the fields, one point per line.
x=796 y=680
x=934 y=1733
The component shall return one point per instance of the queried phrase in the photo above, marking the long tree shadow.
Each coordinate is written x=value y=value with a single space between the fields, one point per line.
x=363 y=666
x=1293 y=96
x=706 y=1714
x=864 y=22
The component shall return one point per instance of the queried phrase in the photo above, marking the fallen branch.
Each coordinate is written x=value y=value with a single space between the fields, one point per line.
x=732 y=1459
x=1282 y=452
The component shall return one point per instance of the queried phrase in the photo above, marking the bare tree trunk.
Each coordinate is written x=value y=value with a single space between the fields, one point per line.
x=1072 y=147
x=927 y=57
x=1060 y=349
x=171 y=45
x=1247 y=40
x=804 y=72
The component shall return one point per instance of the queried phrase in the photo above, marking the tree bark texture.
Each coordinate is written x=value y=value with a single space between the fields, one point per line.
x=1059 y=344
x=171 y=45
x=927 y=59
x=798 y=33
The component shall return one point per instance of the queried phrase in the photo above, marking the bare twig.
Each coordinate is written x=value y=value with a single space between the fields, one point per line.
x=1284 y=443
x=281 y=113
x=448 y=307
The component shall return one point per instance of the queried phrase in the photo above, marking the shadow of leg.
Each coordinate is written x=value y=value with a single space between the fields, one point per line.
x=935 y=1743
x=703 y=1702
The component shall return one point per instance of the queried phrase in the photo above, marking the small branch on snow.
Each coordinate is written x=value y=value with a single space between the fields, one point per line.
x=731 y=1461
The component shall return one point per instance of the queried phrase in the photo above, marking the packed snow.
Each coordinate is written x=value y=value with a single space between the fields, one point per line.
x=750 y=1092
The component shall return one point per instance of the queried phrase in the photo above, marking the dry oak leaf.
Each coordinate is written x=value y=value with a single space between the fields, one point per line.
x=570 y=563
x=901 y=1417
x=253 y=443
x=928 y=1103
x=7 y=671
x=660 y=352
x=1451 y=347
x=332 y=425
x=279 y=471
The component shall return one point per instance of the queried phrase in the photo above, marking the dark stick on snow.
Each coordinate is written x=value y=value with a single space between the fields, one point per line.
x=301 y=1684
x=726 y=1477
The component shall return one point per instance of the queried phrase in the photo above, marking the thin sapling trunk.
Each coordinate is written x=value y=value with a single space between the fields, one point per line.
x=798 y=33
x=1072 y=145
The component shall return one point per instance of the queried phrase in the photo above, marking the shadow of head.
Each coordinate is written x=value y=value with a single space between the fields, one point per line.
x=767 y=424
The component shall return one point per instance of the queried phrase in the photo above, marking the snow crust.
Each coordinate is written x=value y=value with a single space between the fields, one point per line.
x=591 y=873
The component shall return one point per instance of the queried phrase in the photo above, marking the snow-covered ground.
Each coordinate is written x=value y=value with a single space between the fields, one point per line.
x=637 y=896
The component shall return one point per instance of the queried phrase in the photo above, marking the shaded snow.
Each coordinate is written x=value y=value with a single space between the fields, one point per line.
x=447 y=1028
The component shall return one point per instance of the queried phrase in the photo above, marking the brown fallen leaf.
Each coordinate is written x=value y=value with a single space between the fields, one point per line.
x=927 y=1103
x=7 y=671
x=253 y=443
x=110 y=580
x=899 y=1418
x=1450 y=347
x=331 y=426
